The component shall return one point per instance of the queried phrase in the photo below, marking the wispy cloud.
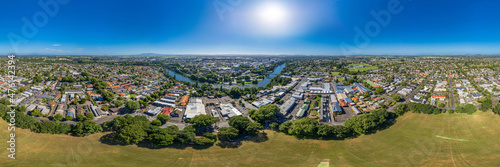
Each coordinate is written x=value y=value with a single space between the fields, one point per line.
x=56 y=44
x=53 y=50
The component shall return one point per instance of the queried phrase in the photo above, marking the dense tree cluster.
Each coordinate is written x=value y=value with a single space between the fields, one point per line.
x=243 y=124
x=132 y=130
x=278 y=81
x=163 y=118
x=132 y=105
x=24 y=121
x=307 y=127
x=496 y=110
x=468 y=108
x=486 y=104
x=396 y=97
x=264 y=113
x=227 y=133
x=367 y=123
x=202 y=121
x=416 y=108
x=86 y=128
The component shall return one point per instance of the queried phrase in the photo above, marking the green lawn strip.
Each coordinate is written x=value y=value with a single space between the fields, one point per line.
x=442 y=137
x=324 y=164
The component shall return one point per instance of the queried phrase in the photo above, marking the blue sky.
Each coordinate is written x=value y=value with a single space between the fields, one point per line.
x=311 y=27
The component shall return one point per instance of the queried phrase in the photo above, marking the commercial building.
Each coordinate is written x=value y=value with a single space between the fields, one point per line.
x=323 y=112
x=336 y=109
x=194 y=108
x=355 y=110
x=228 y=110
x=287 y=106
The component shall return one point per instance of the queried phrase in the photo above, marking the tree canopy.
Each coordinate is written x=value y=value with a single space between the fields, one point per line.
x=86 y=128
x=227 y=133
x=264 y=113
x=131 y=134
x=239 y=122
x=253 y=128
x=203 y=120
x=132 y=105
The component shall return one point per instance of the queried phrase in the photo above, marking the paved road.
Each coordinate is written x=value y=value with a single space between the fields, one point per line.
x=452 y=99
x=391 y=109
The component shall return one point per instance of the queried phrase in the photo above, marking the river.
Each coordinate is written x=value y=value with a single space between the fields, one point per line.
x=262 y=83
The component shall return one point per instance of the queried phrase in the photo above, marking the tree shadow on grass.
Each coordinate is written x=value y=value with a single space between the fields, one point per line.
x=149 y=145
x=227 y=144
x=201 y=147
x=259 y=138
x=109 y=139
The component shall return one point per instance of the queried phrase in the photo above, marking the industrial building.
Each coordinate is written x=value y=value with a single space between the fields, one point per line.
x=287 y=106
x=228 y=110
x=194 y=108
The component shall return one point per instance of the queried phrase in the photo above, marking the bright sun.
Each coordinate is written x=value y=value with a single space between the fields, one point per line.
x=272 y=13
x=272 y=16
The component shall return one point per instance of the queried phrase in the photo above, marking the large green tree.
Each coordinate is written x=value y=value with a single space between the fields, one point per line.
x=132 y=105
x=379 y=90
x=131 y=134
x=205 y=141
x=486 y=104
x=227 y=133
x=163 y=118
x=86 y=128
x=264 y=113
x=235 y=92
x=118 y=103
x=58 y=117
x=496 y=110
x=239 y=122
x=303 y=127
x=395 y=97
x=162 y=137
x=253 y=128
x=201 y=121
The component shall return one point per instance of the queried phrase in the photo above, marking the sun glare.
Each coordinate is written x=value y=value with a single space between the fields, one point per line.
x=272 y=14
x=272 y=17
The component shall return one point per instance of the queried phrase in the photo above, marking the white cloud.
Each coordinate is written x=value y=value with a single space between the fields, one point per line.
x=56 y=44
x=53 y=50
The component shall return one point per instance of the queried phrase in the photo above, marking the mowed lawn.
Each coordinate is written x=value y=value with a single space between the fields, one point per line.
x=411 y=141
x=363 y=68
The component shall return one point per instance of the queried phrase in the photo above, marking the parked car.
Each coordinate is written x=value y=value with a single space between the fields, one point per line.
x=173 y=114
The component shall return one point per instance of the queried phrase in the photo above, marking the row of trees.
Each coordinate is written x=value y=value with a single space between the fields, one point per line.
x=486 y=104
x=496 y=110
x=83 y=128
x=368 y=123
x=363 y=124
x=132 y=130
x=264 y=113
x=416 y=108
x=468 y=108
x=308 y=127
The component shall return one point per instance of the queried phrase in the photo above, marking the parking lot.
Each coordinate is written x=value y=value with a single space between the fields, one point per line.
x=346 y=114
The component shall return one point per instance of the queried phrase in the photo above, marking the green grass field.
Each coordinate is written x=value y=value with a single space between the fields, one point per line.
x=411 y=141
x=363 y=68
x=335 y=73
x=359 y=64
x=352 y=69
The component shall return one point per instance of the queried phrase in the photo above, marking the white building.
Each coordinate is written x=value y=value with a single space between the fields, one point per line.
x=194 y=108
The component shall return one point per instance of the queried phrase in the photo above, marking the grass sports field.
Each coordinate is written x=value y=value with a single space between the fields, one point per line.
x=364 y=68
x=412 y=141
